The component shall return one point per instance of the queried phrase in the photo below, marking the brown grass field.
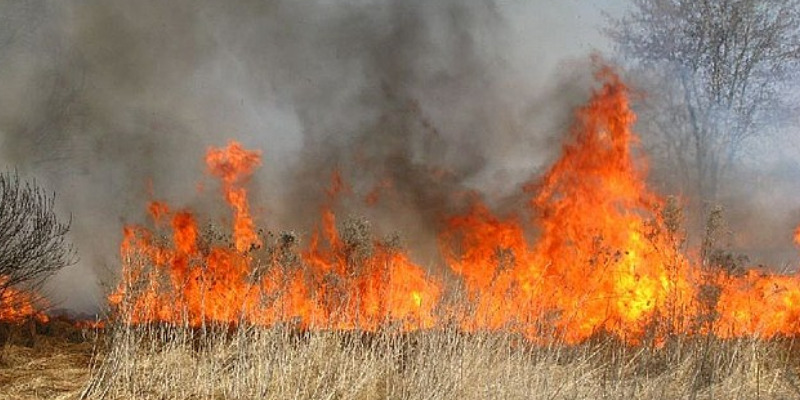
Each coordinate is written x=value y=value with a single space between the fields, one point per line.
x=161 y=362
x=52 y=368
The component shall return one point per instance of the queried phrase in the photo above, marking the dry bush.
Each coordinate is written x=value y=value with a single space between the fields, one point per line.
x=33 y=242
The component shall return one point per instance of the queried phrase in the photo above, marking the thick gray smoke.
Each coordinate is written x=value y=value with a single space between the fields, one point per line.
x=111 y=103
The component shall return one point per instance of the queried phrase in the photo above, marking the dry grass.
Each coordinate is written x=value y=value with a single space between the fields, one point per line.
x=166 y=362
x=278 y=363
x=52 y=369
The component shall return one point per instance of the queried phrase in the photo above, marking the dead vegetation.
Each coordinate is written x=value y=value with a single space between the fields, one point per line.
x=162 y=362
x=52 y=368
x=166 y=362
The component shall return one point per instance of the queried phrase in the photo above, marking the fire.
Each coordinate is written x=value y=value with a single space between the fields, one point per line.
x=232 y=165
x=595 y=257
x=17 y=305
x=759 y=304
x=797 y=236
x=601 y=262
x=184 y=279
x=378 y=283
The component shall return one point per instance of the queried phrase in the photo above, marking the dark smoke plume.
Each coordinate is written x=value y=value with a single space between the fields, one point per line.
x=416 y=103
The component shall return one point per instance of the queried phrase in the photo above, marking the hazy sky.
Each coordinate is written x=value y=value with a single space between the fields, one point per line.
x=551 y=30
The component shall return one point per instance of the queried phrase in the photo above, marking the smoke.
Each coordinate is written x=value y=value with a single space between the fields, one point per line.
x=756 y=191
x=418 y=104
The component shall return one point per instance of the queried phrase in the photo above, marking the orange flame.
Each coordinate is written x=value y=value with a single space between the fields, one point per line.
x=185 y=281
x=232 y=165
x=797 y=236
x=375 y=286
x=602 y=260
x=599 y=264
x=18 y=305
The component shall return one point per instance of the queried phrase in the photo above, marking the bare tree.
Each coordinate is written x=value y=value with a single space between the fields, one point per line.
x=33 y=242
x=716 y=73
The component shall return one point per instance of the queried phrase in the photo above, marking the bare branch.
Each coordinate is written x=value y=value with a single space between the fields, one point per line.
x=731 y=59
x=33 y=242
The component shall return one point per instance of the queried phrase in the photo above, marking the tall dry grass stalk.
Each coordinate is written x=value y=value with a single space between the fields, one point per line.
x=247 y=362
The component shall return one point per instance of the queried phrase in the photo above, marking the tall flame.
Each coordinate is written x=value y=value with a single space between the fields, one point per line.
x=233 y=164
x=603 y=260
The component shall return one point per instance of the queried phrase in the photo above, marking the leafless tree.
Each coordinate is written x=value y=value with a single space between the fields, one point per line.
x=33 y=243
x=715 y=74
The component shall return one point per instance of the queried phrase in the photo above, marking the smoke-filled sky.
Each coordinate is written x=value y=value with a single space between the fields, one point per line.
x=112 y=103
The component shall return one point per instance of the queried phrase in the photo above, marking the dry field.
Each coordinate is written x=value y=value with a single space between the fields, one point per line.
x=160 y=362
x=51 y=367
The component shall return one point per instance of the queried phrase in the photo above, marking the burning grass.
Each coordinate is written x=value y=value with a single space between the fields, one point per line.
x=18 y=305
x=605 y=302
x=608 y=257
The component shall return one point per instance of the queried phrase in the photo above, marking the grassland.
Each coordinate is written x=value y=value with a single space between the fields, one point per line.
x=160 y=362
x=50 y=368
x=164 y=362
